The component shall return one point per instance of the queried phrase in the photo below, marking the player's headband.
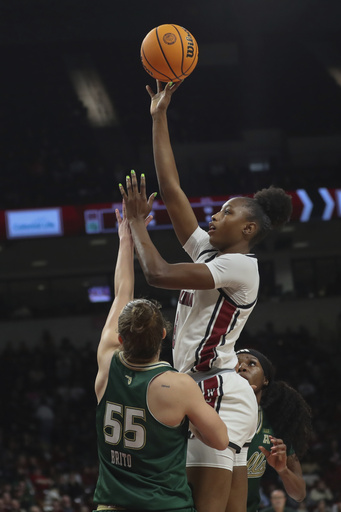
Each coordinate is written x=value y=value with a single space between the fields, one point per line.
x=267 y=366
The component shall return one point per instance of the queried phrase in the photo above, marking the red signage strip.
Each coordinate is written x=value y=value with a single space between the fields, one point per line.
x=322 y=204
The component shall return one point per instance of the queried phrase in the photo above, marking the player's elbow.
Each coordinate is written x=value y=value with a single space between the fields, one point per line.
x=223 y=442
x=221 y=439
x=156 y=276
x=154 y=279
x=301 y=496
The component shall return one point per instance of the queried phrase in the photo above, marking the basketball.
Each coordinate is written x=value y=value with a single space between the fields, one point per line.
x=169 y=53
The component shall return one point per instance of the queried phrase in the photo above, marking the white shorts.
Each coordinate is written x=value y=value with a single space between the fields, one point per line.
x=235 y=401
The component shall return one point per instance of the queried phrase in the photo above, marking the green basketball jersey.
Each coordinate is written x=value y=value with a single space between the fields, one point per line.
x=256 y=463
x=142 y=461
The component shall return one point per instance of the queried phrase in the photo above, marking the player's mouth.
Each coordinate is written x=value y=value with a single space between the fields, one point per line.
x=211 y=228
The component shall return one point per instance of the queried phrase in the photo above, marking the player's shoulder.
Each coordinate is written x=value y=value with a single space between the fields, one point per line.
x=175 y=378
x=246 y=259
x=172 y=388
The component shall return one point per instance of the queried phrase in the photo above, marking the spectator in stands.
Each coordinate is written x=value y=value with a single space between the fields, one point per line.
x=278 y=500
x=321 y=506
x=66 y=503
x=7 y=501
x=302 y=507
x=45 y=417
x=320 y=491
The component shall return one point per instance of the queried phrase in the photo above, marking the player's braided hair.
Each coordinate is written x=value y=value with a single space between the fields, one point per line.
x=270 y=208
x=289 y=415
x=141 y=325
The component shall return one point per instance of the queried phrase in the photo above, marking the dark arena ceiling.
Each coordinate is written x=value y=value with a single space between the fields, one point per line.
x=273 y=64
x=69 y=20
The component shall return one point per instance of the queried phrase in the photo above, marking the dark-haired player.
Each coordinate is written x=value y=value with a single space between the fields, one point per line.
x=283 y=430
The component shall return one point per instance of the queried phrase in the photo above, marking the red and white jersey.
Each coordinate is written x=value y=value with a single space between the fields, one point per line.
x=209 y=322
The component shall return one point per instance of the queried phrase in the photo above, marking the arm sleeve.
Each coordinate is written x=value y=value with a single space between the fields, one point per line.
x=198 y=242
x=237 y=273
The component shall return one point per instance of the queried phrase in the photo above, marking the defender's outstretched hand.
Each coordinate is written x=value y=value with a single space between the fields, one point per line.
x=161 y=99
x=123 y=224
x=136 y=204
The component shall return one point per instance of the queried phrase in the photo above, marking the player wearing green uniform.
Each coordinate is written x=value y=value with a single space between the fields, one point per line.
x=144 y=405
x=282 y=433
x=136 y=451
x=256 y=464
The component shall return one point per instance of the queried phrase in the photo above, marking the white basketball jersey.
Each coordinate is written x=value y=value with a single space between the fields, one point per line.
x=209 y=322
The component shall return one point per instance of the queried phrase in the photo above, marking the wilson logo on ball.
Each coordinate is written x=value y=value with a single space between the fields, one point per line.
x=169 y=38
x=190 y=45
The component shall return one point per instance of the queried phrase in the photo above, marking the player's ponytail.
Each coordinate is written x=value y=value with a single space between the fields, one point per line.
x=141 y=325
x=271 y=208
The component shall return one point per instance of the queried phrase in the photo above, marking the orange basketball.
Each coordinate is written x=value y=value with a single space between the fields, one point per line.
x=169 y=53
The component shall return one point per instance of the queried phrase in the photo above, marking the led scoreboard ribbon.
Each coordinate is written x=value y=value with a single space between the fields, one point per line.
x=321 y=204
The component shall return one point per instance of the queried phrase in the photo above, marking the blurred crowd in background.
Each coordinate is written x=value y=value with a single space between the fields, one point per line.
x=48 y=452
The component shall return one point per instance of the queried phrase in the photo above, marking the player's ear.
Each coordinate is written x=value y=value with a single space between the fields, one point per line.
x=120 y=339
x=250 y=228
